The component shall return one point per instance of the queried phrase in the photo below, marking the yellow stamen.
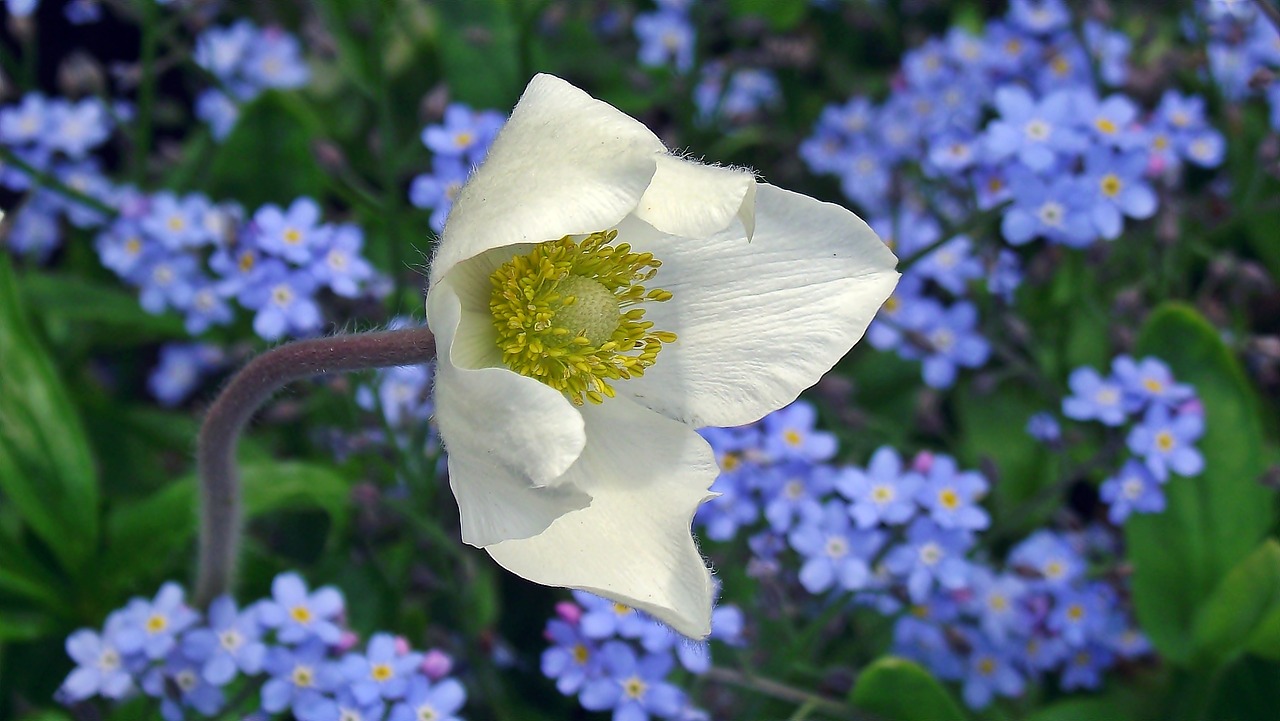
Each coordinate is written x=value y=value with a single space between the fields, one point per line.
x=564 y=314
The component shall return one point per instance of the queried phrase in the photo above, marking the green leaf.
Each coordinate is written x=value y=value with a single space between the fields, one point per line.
x=1211 y=522
x=1106 y=708
x=63 y=298
x=46 y=467
x=22 y=575
x=1266 y=636
x=480 y=50
x=781 y=14
x=147 y=533
x=993 y=426
x=267 y=158
x=1228 y=618
x=24 y=626
x=895 y=689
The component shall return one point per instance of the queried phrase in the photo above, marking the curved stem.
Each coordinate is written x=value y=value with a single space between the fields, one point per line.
x=247 y=391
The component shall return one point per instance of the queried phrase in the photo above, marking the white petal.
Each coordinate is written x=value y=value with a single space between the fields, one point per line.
x=565 y=163
x=757 y=321
x=506 y=434
x=694 y=200
x=646 y=475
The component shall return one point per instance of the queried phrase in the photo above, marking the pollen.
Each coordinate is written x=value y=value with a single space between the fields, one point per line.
x=1111 y=185
x=381 y=672
x=634 y=687
x=157 y=623
x=949 y=499
x=565 y=314
x=300 y=614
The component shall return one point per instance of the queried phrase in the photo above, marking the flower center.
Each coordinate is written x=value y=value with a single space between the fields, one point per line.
x=157 y=623
x=1132 y=489
x=186 y=680
x=1075 y=612
x=634 y=687
x=1037 y=130
x=564 y=317
x=1051 y=214
x=986 y=666
x=303 y=676
x=882 y=494
x=247 y=260
x=109 y=660
x=292 y=236
x=230 y=640
x=581 y=654
x=427 y=712
x=1152 y=385
x=1165 y=441
x=381 y=672
x=949 y=499
x=1105 y=125
x=300 y=614
x=931 y=554
x=1111 y=185
x=837 y=547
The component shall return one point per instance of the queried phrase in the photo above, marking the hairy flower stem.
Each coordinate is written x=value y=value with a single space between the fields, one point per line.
x=247 y=391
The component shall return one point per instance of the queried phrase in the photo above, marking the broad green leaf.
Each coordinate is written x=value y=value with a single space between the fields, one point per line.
x=63 y=298
x=895 y=689
x=46 y=467
x=1246 y=691
x=24 y=626
x=1247 y=594
x=1211 y=522
x=23 y=576
x=1105 y=708
x=268 y=156
x=1266 y=637
x=151 y=531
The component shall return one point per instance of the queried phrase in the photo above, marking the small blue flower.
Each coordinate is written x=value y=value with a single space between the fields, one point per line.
x=152 y=627
x=274 y=60
x=1084 y=667
x=283 y=300
x=603 y=618
x=572 y=659
x=926 y=643
x=735 y=506
x=231 y=642
x=998 y=603
x=952 y=343
x=351 y=709
x=1096 y=398
x=221 y=50
x=930 y=555
x=464 y=135
x=1039 y=16
x=1133 y=490
x=168 y=281
x=218 y=111
x=1117 y=189
x=338 y=263
x=951 y=495
x=1046 y=556
x=100 y=665
x=1167 y=442
x=1044 y=428
x=794 y=492
x=181 y=367
x=666 y=38
x=182 y=675
x=1150 y=380
x=1077 y=616
x=177 y=222
x=989 y=672
x=382 y=673
x=635 y=688
x=76 y=128
x=437 y=191
x=298 y=614
x=883 y=493
x=425 y=700
x=299 y=679
x=1055 y=210
x=790 y=433
x=35 y=230
x=294 y=234
x=1035 y=132
x=835 y=554
x=25 y=122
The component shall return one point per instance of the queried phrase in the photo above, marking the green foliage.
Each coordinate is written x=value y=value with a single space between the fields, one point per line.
x=1230 y=618
x=46 y=468
x=268 y=157
x=1212 y=522
x=895 y=689
x=781 y=14
x=480 y=49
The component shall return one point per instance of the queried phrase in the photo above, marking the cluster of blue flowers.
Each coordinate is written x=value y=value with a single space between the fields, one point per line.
x=1167 y=419
x=245 y=60
x=181 y=369
x=401 y=395
x=617 y=659
x=1243 y=49
x=667 y=37
x=55 y=136
x=1015 y=122
x=457 y=145
x=293 y=644
x=897 y=536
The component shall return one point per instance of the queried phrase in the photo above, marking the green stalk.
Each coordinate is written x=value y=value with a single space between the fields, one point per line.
x=146 y=90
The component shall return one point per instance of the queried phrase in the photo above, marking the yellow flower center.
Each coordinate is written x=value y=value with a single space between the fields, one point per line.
x=176 y=223
x=300 y=614
x=792 y=437
x=381 y=672
x=1111 y=185
x=1152 y=385
x=581 y=654
x=882 y=494
x=564 y=317
x=621 y=610
x=303 y=676
x=157 y=623
x=292 y=236
x=986 y=666
x=1075 y=612
x=949 y=499
x=1165 y=441
x=1105 y=125
x=730 y=462
x=246 y=261
x=634 y=687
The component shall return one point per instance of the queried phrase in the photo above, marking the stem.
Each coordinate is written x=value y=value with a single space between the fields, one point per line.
x=146 y=91
x=47 y=180
x=247 y=391
x=784 y=692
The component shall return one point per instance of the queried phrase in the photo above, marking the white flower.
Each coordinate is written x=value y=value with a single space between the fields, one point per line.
x=733 y=297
